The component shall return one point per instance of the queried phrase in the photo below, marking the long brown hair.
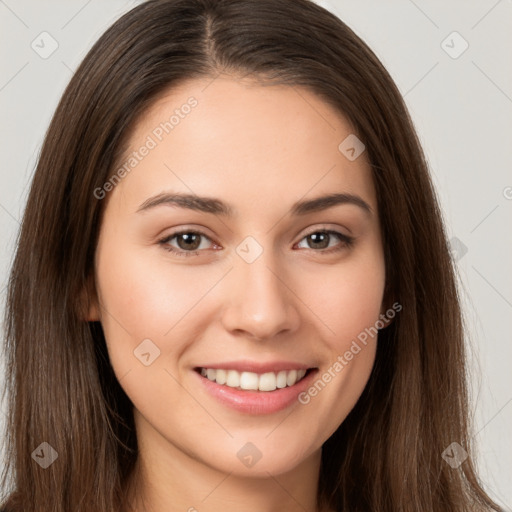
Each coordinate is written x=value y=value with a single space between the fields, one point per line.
x=387 y=455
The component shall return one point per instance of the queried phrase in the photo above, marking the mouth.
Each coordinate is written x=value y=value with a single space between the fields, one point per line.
x=257 y=392
x=252 y=381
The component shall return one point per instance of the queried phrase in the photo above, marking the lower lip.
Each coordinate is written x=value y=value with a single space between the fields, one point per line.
x=256 y=402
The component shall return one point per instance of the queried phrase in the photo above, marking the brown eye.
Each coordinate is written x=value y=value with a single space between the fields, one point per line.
x=188 y=242
x=320 y=240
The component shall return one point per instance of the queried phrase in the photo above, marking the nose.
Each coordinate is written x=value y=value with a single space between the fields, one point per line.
x=260 y=302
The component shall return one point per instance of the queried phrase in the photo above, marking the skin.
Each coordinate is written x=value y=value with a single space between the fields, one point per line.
x=259 y=149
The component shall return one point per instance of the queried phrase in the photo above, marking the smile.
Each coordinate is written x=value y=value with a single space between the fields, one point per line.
x=250 y=381
x=259 y=391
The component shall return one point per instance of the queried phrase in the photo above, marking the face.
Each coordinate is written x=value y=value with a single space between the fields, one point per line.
x=230 y=323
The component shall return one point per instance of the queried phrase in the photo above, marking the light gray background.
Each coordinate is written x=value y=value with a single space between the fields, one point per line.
x=462 y=109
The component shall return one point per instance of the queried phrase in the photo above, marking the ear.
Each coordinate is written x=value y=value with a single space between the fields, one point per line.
x=89 y=303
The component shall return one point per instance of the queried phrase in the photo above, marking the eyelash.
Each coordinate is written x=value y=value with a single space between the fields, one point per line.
x=347 y=242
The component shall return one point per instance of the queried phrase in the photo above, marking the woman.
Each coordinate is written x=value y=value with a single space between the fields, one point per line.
x=259 y=369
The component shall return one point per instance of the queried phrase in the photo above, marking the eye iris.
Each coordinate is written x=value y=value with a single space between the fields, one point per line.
x=324 y=242
x=189 y=237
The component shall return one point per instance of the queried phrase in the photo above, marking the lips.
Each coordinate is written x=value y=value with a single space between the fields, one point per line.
x=255 y=388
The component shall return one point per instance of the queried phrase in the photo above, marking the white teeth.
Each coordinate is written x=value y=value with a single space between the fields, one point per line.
x=249 y=380
x=291 y=378
x=233 y=379
x=221 y=377
x=281 y=379
x=253 y=381
x=267 y=382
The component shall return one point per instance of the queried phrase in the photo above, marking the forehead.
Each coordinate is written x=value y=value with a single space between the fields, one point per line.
x=244 y=141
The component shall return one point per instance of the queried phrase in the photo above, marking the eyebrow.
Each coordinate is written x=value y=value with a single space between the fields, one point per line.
x=218 y=207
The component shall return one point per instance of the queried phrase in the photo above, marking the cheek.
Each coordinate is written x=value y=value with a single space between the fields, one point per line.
x=149 y=298
x=346 y=298
x=348 y=303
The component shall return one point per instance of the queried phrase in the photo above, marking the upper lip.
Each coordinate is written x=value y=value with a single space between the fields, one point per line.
x=256 y=367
